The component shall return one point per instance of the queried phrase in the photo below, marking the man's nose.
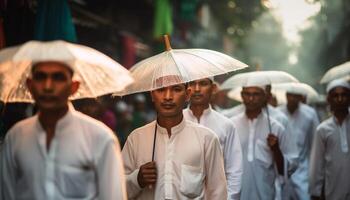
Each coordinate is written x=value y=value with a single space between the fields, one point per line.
x=168 y=94
x=48 y=84
x=196 y=87
x=339 y=98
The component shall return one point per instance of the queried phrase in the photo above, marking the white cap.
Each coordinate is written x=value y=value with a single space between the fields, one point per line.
x=338 y=83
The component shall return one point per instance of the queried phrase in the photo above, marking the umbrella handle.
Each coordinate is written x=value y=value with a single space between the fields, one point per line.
x=154 y=142
x=167 y=42
x=268 y=118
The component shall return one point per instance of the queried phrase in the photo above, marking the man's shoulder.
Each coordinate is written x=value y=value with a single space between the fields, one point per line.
x=145 y=129
x=327 y=124
x=91 y=125
x=221 y=119
x=308 y=110
x=238 y=117
x=198 y=128
x=23 y=126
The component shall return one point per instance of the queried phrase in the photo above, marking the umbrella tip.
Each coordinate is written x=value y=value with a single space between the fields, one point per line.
x=167 y=42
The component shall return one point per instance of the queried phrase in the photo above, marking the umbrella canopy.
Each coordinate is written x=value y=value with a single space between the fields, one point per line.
x=280 y=91
x=258 y=78
x=340 y=71
x=176 y=66
x=98 y=74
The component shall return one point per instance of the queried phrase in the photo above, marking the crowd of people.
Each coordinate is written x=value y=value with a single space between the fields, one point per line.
x=184 y=150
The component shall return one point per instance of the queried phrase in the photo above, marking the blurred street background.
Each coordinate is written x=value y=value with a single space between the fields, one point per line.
x=302 y=37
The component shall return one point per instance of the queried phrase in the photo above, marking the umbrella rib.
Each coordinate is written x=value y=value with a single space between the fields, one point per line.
x=86 y=81
x=180 y=68
x=206 y=60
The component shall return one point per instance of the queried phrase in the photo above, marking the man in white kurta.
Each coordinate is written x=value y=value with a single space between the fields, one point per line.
x=83 y=161
x=59 y=153
x=201 y=93
x=302 y=125
x=188 y=162
x=330 y=156
x=252 y=126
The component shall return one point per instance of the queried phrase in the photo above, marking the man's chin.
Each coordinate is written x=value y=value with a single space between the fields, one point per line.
x=49 y=107
x=169 y=114
x=197 y=101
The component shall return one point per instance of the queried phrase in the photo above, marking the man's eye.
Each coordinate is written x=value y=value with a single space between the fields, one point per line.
x=203 y=83
x=39 y=76
x=177 y=89
x=59 y=77
x=159 y=90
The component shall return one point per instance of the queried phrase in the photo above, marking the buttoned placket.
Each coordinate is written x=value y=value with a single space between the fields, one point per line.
x=49 y=159
x=343 y=137
x=252 y=124
x=168 y=179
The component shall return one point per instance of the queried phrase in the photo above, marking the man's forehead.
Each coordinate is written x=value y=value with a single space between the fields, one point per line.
x=339 y=89
x=51 y=66
x=203 y=79
x=253 y=89
x=294 y=94
x=172 y=86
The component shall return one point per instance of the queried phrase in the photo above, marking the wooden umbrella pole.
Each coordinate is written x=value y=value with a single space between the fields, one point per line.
x=167 y=42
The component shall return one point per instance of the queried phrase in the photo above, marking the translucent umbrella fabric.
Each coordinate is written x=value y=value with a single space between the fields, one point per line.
x=340 y=71
x=176 y=66
x=98 y=74
x=258 y=78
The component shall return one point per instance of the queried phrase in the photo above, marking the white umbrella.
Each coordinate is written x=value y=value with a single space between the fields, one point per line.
x=235 y=94
x=176 y=66
x=280 y=90
x=306 y=90
x=98 y=74
x=340 y=71
x=258 y=78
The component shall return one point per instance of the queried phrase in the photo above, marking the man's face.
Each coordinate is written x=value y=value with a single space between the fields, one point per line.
x=50 y=85
x=201 y=91
x=254 y=98
x=294 y=99
x=339 y=98
x=169 y=101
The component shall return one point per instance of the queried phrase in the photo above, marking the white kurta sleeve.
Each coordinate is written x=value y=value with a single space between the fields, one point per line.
x=215 y=182
x=233 y=164
x=131 y=170
x=317 y=165
x=110 y=173
x=8 y=170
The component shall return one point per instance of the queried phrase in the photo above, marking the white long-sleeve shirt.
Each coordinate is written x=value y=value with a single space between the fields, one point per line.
x=230 y=145
x=330 y=160
x=189 y=162
x=258 y=164
x=302 y=125
x=83 y=162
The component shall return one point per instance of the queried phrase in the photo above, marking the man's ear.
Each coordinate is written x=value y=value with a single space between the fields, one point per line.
x=328 y=99
x=188 y=94
x=151 y=94
x=215 y=88
x=74 y=87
